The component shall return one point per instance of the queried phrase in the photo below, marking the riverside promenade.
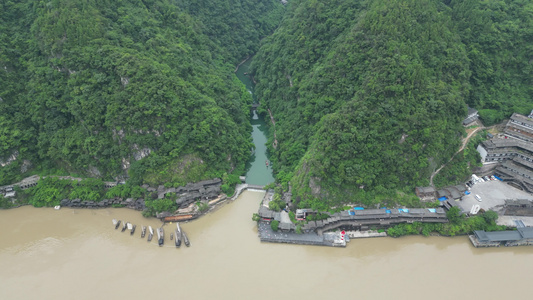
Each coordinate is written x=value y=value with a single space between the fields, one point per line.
x=333 y=239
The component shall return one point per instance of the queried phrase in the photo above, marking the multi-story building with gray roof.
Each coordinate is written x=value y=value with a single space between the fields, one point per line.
x=513 y=153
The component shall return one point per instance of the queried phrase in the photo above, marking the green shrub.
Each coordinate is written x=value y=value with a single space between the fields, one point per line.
x=5 y=202
x=202 y=206
x=292 y=216
x=274 y=225
x=256 y=217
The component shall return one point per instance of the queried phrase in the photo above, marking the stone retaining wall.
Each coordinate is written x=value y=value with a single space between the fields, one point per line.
x=129 y=203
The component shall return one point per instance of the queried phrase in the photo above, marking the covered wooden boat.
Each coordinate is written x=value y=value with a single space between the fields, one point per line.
x=185 y=239
x=178 y=239
x=160 y=236
x=150 y=234
x=143 y=232
x=178 y=235
x=116 y=223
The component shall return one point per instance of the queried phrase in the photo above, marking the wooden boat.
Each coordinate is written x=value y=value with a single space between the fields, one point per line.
x=178 y=235
x=185 y=239
x=143 y=232
x=151 y=234
x=178 y=239
x=117 y=225
x=160 y=236
x=125 y=226
x=171 y=235
x=133 y=229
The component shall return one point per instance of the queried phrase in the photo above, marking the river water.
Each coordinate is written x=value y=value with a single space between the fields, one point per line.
x=77 y=254
x=258 y=172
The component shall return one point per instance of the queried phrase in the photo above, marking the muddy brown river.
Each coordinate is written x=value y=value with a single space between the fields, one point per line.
x=77 y=254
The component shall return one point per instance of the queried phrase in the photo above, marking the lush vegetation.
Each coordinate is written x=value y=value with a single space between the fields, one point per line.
x=5 y=202
x=459 y=170
x=368 y=96
x=101 y=88
x=154 y=206
x=51 y=190
x=274 y=225
x=458 y=225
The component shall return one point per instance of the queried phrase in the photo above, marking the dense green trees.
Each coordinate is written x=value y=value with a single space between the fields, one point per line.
x=93 y=86
x=497 y=37
x=368 y=96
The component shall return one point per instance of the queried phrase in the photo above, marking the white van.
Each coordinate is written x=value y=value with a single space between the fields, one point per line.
x=477 y=197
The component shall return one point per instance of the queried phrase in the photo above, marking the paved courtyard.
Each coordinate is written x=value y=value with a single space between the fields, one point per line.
x=493 y=195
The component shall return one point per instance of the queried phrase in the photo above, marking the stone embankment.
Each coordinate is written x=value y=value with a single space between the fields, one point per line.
x=129 y=203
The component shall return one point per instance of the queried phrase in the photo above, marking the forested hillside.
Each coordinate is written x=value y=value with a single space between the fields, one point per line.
x=368 y=96
x=113 y=88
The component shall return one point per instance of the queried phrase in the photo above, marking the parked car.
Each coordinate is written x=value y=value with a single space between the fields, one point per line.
x=477 y=197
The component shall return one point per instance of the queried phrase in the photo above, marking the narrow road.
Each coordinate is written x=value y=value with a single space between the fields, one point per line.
x=465 y=142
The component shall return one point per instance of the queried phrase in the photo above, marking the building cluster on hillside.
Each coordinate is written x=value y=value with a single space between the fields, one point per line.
x=447 y=196
x=513 y=152
x=357 y=217
x=191 y=192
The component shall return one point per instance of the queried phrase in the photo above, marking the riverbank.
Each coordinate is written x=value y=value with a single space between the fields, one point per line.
x=53 y=254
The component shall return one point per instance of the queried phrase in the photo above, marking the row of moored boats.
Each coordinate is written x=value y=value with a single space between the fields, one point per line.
x=178 y=235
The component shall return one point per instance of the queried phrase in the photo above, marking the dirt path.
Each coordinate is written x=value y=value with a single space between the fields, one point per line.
x=465 y=142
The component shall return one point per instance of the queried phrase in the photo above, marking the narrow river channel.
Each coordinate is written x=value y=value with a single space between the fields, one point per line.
x=77 y=254
x=258 y=173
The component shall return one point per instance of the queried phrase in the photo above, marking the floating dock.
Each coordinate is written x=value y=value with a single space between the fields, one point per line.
x=522 y=236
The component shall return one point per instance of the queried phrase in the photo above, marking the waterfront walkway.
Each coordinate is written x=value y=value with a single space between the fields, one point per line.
x=266 y=234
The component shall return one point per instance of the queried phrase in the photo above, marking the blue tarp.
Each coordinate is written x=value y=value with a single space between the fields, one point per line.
x=351 y=213
x=388 y=211
x=383 y=208
x=443 y=199
x=358 y=208
x=467 y=193
x=432 y=210
x=498 y=178
x=405 y=210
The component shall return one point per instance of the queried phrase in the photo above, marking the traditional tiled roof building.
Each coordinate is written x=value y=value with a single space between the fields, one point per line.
x=520 y=127
x=471 y=117
x=513 y=153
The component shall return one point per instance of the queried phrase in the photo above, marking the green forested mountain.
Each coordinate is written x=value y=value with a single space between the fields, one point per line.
x=91 y=86
x=498 y=38
x=368 y=96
